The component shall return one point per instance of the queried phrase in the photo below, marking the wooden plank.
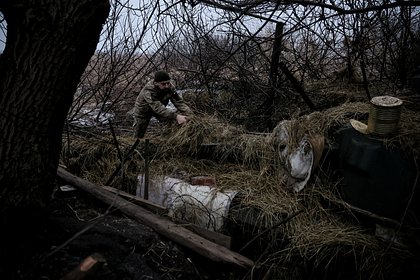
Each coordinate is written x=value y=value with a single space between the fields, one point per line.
x=213 y=236
x=154 y=207
x=161 y=225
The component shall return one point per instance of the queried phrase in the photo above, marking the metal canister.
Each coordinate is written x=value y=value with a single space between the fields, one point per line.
x=384 y=115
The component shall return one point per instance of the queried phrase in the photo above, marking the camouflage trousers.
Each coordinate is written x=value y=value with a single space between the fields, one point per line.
x=140 y=126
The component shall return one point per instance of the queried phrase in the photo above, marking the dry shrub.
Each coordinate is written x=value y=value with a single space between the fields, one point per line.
x=96 y=158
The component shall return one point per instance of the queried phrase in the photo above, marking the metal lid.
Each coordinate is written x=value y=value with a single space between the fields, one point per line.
x=386 y=101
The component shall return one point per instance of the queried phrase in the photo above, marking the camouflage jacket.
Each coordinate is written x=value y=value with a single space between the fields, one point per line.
x=152 y=102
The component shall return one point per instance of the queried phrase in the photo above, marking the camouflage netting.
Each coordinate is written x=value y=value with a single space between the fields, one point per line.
x=321 y=237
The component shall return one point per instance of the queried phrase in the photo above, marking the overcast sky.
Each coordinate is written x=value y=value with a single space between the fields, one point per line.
x=133 y=3
x=2 y=33
x=2 y=40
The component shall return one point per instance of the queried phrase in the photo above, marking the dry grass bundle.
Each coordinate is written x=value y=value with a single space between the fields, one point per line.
x=256 y=151
x=229 y=141
x=318 y=234
x=327 y=241
x=319 y=123
x=321 y=227
x=267 y=193
x=96 y=158
x=323 y=238
x=340 y=115
x=407 y=137
x=186 y=139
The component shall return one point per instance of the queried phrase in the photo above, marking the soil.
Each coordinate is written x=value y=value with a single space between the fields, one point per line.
x=80 y=225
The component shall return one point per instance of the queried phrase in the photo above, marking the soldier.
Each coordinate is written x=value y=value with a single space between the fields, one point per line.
x=152 y=101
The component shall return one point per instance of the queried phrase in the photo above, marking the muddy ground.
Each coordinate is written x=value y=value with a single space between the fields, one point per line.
x=77 y=228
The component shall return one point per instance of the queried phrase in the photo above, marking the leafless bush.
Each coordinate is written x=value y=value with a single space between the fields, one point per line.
x=221 y=53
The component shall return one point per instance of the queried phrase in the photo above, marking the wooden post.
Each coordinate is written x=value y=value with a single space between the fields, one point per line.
x=276 y=64
x=275 y=56
x=273 y=80
x=120 y=165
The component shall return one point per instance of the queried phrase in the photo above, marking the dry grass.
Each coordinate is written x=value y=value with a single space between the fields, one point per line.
x=250 y=164
x=408 y=136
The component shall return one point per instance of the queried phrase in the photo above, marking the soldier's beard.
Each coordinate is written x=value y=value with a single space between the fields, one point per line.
x=166 y=90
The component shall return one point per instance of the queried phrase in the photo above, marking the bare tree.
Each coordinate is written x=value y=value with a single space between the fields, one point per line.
x=49 y=44
x=223 y=51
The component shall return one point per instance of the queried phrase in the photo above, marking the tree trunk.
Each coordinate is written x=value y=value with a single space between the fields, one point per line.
x=49 y=44
x=275 y=57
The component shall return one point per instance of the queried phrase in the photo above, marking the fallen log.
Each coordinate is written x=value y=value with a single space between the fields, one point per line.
x=161 y=225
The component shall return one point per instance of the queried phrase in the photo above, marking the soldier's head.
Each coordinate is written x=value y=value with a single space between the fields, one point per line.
x=162 y=80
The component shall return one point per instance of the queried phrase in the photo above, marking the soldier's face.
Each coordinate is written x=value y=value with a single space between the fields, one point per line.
x=164 y=86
